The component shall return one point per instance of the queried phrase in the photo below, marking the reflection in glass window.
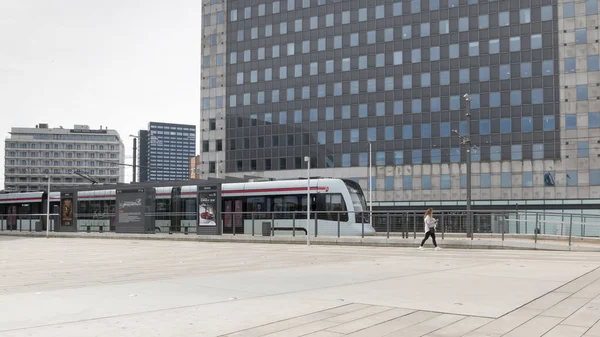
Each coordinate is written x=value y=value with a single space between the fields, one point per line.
x=582 y=92
x=495 y=153
x=337 y=89
x=526 y=124
x=537 y=96
x=436 y=156
x=484 y=127
x=415 y=6
x=397 y=57
x=434 y=5
x=275 y=52
x=425 y=182
x=463 y=24
x=434 y=54
x=268 y=30
x=484 y=73
x=463 y=75
x=455 y=155
x=452 y=3
x=591 y=7
x=484 y=21
x=571 y=121
x=570 y=65
x=425 y=29
x=527 y=179
x=399 y=157
x=504 y=71
x=283 y=28
x=371 y=37
x=583 y=149
x=290 y=94
x=505 y=125
x=398 y=107
x=526 y=69
x=580 y=36
x=275 y=96
x=516 y=152
x=538 y=151
x=525 y=15
x=494 y=46
x=435 y=104
x=388 y=83
x=506 y=179
x=445 y=129
x=593 y=120
x=389 y=133
x=536 y=41
x=345 y=17
x=485 y=180
x=379 y=12
x=362 y=111
x=260 y=97
x=593 y=63
x=416 y=106
x=362 y=62
x=445 y=181
x=397 y=9
x=362 y=14
x=416 y=55
x=406 y=131
x=388 y=34
x=548 y=67
x=407 y=182
x=568 y=10
x=321 y=44
x=329 y=20
x=371 y=134
x=417 y=156
x=425 y=79
x=371 y=85
x=494 y=99
x=406 y=32
x=515 y=97
x=572 y=177
x=454 y=102
x=407 y=81
x=337 y=136
x=515 y=43
x=346 y=112
x=549 y=123
x=445 y=77
x=547 y=13
x=454 y=51
x=321 y=90
x=380 y=60
x=504 y=19
x=444 y=27
x=353 y=39
x=426 y=130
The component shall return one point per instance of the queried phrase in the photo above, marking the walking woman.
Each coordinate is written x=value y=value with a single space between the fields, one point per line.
x=430 y=224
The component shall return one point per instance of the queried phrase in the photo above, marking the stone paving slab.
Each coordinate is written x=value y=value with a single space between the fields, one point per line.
x=78 y=287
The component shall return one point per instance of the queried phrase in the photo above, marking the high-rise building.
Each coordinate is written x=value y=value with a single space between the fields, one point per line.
x=282 y=80
x=33 y=154
x=165 y=151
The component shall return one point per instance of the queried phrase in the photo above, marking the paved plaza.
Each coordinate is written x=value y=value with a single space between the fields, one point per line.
x=102 y=287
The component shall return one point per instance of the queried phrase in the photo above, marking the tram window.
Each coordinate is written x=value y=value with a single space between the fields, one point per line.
x=162 y=209
x=189 y=209
x=334 y=206
x=259 y=206
x=313 y=207
x=285 y=206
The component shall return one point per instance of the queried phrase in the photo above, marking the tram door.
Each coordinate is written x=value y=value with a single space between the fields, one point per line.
x=233 y=215
x=176 y=209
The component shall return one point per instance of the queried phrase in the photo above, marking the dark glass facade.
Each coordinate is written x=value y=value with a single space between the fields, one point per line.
x=323 y=78
x=165 y=151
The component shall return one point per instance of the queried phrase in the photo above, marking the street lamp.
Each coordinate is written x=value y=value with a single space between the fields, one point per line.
x=48 y=209
x=370 y=185
x=467 y=141
x=307 y=160
x=135 y=138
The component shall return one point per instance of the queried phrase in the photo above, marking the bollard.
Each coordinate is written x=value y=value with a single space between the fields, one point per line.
x=316 y=224
x=363 y=225
x=536 y=227
x=232 y=229
x=294 y=224
x=388 y=225
x=414 y=226
x=442 y=221
x=100 y=229
x=570 y=229
x=88 y=229
x=185 y=230
x=252 y=224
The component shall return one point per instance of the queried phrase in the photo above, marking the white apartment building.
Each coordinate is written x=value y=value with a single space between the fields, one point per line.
x=33 y=154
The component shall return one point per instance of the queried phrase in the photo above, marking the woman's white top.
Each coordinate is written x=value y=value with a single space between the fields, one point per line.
x=429 y=222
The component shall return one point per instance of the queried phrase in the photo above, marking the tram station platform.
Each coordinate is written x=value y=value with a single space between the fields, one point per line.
x=102 y=287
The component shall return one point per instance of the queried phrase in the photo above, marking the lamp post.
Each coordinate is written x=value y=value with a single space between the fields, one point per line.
x=467 y=141
x=307 y=160
x=135 y=138
x=48 y=210
x=370 y=185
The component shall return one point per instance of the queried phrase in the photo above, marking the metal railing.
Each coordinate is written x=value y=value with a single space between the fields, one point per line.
x=406 y=224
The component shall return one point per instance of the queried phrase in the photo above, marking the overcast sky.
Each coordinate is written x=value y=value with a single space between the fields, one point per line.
x=116 y=63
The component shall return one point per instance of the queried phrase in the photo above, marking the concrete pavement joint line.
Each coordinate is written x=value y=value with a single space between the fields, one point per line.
x=535 y=299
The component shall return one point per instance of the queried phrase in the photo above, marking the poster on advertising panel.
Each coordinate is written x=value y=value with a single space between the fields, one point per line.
x=207 y=208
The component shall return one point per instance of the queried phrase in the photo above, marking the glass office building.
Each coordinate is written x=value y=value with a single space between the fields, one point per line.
x=165 y=151
x=282 y=80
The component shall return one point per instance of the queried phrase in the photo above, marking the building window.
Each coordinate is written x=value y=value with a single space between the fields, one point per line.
x=504 y=71
x=537 y=96
x=505 y=125
x=516 y=152
x=455 y=155
x=504 y=19
x=525 y=15
x=444 y=27
x=527 y=179
x=425 y=29
x=515 y=97
x=407 y=132
x=580 y=36
x=495 y=153
x=426 y=182
x=549 y=123
x=417 y=157
x=436 y=156
x=536 y=41
x=485 y=180
x=582 y=92
x=506 y=179
x=568 y=10
x=570 y=65
x=547 y=13
x=515 y=43
x=389 y=183
x=407 y=182
x=526 y=124
x=572 y=177
x=583 y=149
x=591 y=7
x=593 y=63
x=399 y=158
x=537 y=151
